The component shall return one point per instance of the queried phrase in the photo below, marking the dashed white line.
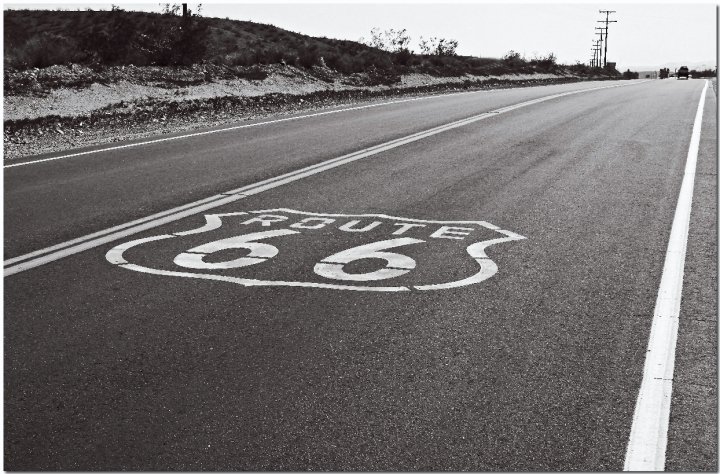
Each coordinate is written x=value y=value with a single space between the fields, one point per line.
x=648 y=436
x=56 y=252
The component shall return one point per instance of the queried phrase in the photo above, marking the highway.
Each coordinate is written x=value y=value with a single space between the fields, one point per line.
x=457 y=282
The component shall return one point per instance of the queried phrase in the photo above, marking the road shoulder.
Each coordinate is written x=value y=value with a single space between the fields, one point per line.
x=692 y=436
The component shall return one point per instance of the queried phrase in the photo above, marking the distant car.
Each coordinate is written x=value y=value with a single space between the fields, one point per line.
x=683 y=72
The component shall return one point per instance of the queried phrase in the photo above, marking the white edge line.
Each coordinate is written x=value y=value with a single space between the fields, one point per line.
x=108 y=235
x=647 y=445
x=237 y=127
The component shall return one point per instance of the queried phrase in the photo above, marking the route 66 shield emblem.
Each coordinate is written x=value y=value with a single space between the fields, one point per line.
x=285 y=247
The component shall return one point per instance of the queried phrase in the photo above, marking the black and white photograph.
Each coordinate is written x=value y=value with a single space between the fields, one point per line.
x=360 y=236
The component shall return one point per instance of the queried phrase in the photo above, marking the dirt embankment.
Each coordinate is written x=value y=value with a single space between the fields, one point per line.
x=62 y=107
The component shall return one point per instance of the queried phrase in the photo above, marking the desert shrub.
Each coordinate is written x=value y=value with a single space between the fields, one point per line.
x=437 y=61
x=438 y=46
x=343 y=63
x=390 y=40
x=703 y=73
x=112 y=42
x=513 y=59
x=307 y=56
x=354 y=64
x=265 y=56
x=377 y=76
x=271 y=56
x=545 y=63
x=630 y=74
x=191 y=41
x=375 y=59
x=171 y=9
x=136 y=57
x=176 y=41
x=403 y=56
x=124 y=37
x=229 y=41
x=579 y=68
x=44 y=50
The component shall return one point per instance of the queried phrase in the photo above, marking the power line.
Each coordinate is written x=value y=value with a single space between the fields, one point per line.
x=596 y=56
x=601 y=35
x=607 y=21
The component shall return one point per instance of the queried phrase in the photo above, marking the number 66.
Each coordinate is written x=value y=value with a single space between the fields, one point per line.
x=331 y=267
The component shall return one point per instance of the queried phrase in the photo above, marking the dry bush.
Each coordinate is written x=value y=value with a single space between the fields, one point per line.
x=43 y=51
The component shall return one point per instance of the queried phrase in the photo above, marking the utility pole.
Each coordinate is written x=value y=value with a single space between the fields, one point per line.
x=603 y=35
x=601 y=39
x=594 y=51
x=597 y=49
x=607 y=21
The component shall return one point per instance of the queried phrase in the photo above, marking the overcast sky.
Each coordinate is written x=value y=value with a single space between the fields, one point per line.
x=646 y=34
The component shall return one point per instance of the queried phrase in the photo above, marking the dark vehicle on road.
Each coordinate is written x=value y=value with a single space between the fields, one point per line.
x=683 y=72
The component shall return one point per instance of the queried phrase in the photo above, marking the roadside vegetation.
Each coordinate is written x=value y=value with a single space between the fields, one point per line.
x=704 y=73
x=75 y=78
x=38 y=39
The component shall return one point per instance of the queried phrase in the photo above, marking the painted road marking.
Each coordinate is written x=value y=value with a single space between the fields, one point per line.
x=263 y=234
x=227 y=129
x=112 y=229
x=62 y=250
x=648 y=436
x=237 y=127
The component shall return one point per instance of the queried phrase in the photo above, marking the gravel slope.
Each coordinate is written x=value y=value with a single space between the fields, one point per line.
x=61 y=108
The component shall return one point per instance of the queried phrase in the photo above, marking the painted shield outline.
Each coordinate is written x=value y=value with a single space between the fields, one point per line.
x=488 y=268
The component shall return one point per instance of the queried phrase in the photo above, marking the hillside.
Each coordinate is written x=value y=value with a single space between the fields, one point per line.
x=41 y=38
x=75 y=78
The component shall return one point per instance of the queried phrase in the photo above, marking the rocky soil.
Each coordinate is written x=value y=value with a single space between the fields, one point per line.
x=64 y=107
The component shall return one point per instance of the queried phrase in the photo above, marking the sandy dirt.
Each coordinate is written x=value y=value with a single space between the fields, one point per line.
x=74 y=102
x=65 y=107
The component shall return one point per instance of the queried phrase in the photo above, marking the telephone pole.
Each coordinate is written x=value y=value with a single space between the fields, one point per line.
x=597 y=50
x=607 y=21
x=601 y=37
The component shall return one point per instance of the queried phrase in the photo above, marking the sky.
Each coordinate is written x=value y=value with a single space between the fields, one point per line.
x=646 y=35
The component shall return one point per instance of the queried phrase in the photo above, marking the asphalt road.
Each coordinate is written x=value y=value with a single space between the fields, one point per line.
x=278 y=351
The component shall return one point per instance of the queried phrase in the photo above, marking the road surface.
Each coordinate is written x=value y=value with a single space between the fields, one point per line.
x=457 y=282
